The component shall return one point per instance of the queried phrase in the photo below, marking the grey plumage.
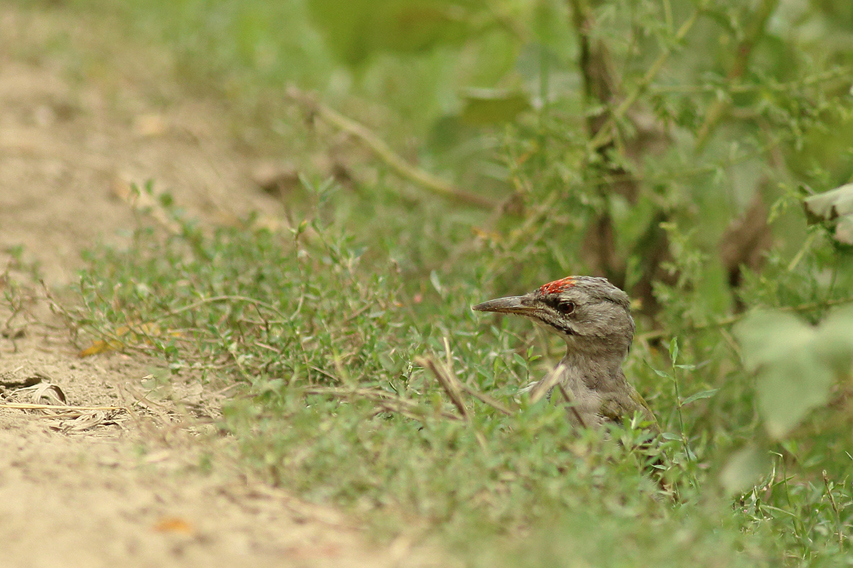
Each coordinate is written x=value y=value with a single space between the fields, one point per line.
x=594 y=319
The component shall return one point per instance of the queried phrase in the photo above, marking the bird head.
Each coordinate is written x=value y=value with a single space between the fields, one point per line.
x=592 y=315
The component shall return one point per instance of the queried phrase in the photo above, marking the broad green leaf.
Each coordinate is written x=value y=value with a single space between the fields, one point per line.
x=794 y=363
x=743 y=469
x=767 y=337
x=844 y=230
x=491 y=106
x=790 y=387
x=829 y=205
x=836 y=207
x=355 y=29
x=834 y=340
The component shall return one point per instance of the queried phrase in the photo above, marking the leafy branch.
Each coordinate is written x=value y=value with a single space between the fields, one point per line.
x=731 y=320
x=744 y=51
x=384 y=152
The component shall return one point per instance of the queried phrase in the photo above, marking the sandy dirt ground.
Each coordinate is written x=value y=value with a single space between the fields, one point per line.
x=138 y=475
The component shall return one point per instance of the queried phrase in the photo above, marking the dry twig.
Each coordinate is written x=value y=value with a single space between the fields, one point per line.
x=386 y=400
x=572 y=408
x=386 y=154
x=544 y=386
x=65 y=407
x=486 y=399
x=448 y=382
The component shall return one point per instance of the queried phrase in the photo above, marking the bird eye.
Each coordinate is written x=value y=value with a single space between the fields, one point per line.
x=566 y=308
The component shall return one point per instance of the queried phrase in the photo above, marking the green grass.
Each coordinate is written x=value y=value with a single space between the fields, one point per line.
x=321 y=327
x=323 y=338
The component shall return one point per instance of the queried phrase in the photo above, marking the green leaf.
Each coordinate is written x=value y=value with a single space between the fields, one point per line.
x=834 y=340
x=789 y=388
x=662 y=374
x=436 y=283
x=491 y=106
x=829 y=205
x=794 y=370
x=698 y=396
x=834 y=207
x=743 y=469
x=770 y=336
x=673 y=350
x=356 y=29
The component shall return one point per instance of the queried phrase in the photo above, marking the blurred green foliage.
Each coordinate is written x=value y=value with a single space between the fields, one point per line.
x=667 y=145
x=797 y=364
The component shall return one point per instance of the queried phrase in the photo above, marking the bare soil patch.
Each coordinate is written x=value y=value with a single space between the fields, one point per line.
x=138 y=476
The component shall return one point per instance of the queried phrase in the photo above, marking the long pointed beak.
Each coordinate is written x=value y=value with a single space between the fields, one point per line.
x=520 y=305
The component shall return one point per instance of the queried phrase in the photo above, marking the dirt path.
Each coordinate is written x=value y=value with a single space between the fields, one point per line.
x=111 y=487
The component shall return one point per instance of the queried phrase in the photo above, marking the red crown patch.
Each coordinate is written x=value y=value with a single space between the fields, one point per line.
x=557 y=286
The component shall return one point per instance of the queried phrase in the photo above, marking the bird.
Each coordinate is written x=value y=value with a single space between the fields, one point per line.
x=594 y=318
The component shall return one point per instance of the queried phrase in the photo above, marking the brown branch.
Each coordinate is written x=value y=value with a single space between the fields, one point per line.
x=599 y=84
x=745 y=244
x=386 y=154
x=744 y=52
x=600 y=87
x=731 y=320
x=825 y=76
x=605 y=135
